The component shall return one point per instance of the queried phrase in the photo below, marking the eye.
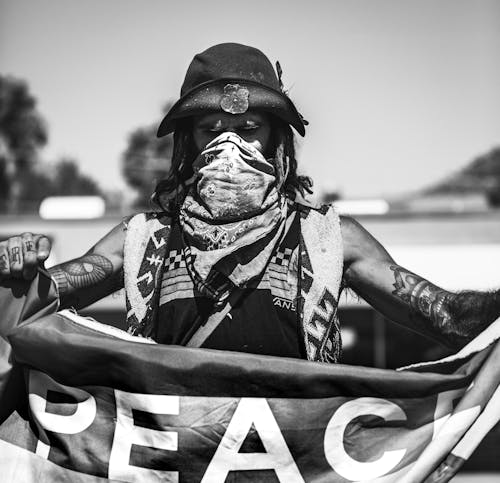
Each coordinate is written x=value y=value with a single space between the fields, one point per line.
x=250 y=127
x=210 y=127
x=211 y=130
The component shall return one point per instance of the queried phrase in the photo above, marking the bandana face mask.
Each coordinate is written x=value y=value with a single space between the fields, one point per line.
x=234 y=205
x=234 y=178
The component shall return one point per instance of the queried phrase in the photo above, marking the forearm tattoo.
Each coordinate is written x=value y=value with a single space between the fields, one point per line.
x=83 y=272
x=86 y=279
x=423 y=297
x=454 y=317
x=15 y=255
x=3 y=262
x=30 y=246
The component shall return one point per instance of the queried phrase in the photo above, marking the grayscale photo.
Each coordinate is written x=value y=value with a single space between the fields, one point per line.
x=250 y=242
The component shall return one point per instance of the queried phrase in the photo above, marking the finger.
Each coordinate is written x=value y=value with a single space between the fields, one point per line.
x=4 y=262
x=43 y=247
x=29 y=256
x=15 y=248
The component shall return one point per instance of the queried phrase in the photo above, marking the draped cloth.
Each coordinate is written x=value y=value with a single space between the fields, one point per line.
x=232 y=216
x=232 y=220
x=226 y=255
x=318 y=261
x=97 y=404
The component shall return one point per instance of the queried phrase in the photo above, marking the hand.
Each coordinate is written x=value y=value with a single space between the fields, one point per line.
x=20 y=256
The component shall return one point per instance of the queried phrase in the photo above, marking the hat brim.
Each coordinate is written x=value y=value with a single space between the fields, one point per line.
x=207 y=97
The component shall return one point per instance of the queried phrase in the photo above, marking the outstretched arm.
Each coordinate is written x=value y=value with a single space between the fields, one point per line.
x=407 y=298
x=94 y=275
x=81 y=281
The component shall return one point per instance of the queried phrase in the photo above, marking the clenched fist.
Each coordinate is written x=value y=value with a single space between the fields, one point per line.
x=20 y=256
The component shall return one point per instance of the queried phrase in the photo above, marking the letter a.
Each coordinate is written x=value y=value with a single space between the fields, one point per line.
x=254 y=411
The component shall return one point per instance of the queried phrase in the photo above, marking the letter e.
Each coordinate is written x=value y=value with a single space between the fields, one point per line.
x=127 y=434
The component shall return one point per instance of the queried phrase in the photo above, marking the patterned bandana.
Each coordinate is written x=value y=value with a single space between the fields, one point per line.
x=232 y=217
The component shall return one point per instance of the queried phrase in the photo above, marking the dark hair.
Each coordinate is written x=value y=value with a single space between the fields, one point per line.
x=170 y=192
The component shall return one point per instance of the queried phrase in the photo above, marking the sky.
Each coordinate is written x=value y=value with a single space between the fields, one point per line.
x=398 y=93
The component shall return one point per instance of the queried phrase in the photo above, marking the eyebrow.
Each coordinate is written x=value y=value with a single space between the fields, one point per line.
x=218 y=122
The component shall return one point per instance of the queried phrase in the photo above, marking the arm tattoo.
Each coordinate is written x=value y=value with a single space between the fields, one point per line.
x=16 y=255
x=3 y=261
x=454 y=317
x=423 y=297
x=82 y=272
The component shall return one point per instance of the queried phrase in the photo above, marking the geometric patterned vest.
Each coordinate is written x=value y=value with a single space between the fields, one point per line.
x=319 y=275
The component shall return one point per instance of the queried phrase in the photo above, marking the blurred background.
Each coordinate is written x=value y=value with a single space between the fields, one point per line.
x=402 y=97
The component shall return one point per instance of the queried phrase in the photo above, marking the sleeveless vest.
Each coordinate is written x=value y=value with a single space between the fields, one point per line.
x=317 y=261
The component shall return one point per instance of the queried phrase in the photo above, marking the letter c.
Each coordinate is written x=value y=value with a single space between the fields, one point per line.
x=335 y=452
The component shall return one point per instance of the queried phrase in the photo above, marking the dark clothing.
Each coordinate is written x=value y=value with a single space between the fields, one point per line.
x=264 y=321
x=292 y=301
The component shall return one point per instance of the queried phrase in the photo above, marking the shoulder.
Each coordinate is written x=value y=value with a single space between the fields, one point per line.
x=147 y=218
x=305 y=207
x=359 y=243
x=353 y=233
x=112 y=242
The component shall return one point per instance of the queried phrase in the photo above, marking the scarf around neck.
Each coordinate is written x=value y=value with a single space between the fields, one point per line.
x=232 y=216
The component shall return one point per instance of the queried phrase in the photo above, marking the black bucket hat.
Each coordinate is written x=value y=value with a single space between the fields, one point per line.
x=232 y=78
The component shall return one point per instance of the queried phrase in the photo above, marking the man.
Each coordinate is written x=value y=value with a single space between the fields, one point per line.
x=237 y=260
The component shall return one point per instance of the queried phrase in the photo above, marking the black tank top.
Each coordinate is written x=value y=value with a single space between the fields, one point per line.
x=264 y=321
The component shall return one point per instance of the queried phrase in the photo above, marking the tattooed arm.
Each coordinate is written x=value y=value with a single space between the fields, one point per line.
x=85 y=280
x=81 y=281
x=406 y=298
x=96 y=274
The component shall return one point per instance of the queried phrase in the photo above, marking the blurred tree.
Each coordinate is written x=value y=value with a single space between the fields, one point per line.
x=24 y=178
x=22 y=133
x=5 y=175
x=146 y=160
x=34 y=185
x=69 y=180
x=63 y=178
x=331 y=196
